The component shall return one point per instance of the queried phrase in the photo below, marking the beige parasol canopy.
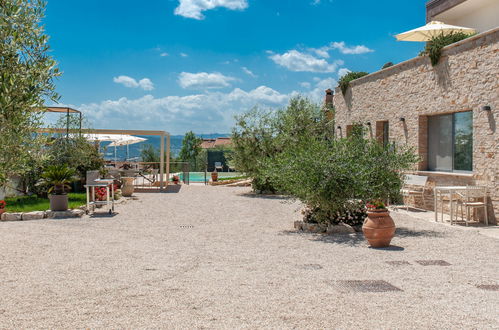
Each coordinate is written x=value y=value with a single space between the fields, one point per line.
x=431 y=30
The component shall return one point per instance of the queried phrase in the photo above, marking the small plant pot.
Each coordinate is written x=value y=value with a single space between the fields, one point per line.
x=127 y=189
x=214 y=176
x=2 y=211
x=58 y=202
x=378 y=228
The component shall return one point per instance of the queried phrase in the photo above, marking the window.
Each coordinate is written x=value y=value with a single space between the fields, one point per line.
x=450 y=142
x=383 y=132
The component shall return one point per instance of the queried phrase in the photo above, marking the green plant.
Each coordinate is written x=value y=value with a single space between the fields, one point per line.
x=35 y=203
x=387 y=65
x=27 y=73
x=149 y=154
x=57 y=178
x=346 y=79
x=433 y=48
x=376 y=205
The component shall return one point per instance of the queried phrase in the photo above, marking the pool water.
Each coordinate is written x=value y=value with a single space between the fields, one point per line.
x=200 y=176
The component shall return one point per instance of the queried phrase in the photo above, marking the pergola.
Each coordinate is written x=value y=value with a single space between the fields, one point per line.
x=65 y=110
x=162 y=134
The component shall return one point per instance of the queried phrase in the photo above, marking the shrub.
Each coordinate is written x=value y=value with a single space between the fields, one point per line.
x=259 y=136
x=387 y=65
x=336 y=177
x=346 y=79
x=433 y=48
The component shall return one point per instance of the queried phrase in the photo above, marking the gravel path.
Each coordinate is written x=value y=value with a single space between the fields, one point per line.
x=217 y=257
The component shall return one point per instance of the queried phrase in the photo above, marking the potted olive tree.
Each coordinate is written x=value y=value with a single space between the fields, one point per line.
x=57 y=178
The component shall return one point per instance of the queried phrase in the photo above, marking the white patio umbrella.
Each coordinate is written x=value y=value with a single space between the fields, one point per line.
x=125 y=140
x=431 y=30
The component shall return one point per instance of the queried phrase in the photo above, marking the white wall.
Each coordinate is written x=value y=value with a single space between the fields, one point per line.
x=482 y=15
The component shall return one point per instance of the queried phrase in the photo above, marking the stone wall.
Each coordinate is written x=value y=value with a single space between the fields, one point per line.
x=465 y=79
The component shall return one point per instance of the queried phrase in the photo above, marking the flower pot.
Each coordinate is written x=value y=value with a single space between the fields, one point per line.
x=2 y=211
x=127 y=189
x=58 y=202
x=378 y=228
x=214 y=176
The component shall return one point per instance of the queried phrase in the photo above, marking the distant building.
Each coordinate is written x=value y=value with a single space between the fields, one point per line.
x=481 y=15
x=218 y=142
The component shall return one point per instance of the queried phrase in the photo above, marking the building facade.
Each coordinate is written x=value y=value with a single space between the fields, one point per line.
x=482 y=15
x=448 y=113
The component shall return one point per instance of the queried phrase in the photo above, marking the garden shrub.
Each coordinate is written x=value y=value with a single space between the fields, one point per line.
x=433 y=48
x=387 y=65
x=346 y=79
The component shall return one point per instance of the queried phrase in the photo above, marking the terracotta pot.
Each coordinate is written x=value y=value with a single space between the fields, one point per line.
x=2 y=211
x=378 y=228
x=58 y=202
x=127 y=188
x=214 y=176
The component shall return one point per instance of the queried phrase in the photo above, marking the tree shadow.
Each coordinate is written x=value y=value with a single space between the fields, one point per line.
x=265 y=196
x=345 y=239
x=406 y=232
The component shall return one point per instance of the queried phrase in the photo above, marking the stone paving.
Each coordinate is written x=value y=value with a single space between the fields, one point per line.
x=218 y=257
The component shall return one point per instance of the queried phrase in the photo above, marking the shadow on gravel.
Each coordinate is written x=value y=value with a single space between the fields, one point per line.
x=406 y=232
x=262 y=196
x=390 y=248
x=346 y=239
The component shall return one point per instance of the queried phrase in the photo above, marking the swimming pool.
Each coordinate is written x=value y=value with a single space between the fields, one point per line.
x=200 y=176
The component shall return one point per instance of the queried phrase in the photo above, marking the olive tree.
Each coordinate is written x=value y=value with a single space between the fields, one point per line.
x=27 y=75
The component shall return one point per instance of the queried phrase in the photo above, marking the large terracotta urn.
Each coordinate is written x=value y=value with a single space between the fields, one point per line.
x=378 y=228
x=127 y=188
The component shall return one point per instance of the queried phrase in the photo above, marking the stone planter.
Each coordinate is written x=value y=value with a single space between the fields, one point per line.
x=127 y=189
x=378 y=228
x=58 y=202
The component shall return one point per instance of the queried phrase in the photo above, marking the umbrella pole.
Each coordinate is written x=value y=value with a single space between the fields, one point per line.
x=114 y=155
x=127 y=152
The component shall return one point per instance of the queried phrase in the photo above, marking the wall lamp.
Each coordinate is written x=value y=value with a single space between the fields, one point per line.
x=339 y=127
x=368 y=123
x=402 y=119
x=486 y=108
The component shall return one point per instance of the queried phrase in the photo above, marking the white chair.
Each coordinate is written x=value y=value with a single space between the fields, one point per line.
x=472 y=198
x=414 y=185
x=218 y=166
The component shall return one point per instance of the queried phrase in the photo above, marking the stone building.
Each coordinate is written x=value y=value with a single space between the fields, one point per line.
x=449 y=113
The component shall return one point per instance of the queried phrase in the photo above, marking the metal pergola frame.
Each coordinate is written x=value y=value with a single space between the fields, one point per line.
x=162 y=134
x=65 y=110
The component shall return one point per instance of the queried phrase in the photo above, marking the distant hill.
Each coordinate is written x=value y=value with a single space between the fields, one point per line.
x=134 y=149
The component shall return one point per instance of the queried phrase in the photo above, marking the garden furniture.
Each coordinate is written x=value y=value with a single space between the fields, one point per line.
x=472 y=198
x=414 y=185
x=446 y=192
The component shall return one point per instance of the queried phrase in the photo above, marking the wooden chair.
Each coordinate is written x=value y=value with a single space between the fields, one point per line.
x=472 y=198
x=414 y=185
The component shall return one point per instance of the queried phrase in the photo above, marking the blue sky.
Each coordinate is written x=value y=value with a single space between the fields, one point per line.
x=181 y=65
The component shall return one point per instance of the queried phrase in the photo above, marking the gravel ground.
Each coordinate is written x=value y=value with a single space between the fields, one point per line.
x=217 y=257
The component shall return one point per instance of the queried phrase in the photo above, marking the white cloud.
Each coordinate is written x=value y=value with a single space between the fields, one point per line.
x=301 y=62
x=204 y=80
x=342 y=72
x=184 y=54
x=249 y=72
x=204 y=113
x=164 y=54
x=194 y=8
x=341 y=46
x=145 y=83
x=306 y=85
x=319 y=90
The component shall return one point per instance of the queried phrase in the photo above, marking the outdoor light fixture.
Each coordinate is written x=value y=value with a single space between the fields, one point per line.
x=368 y=123
x=402 y=119
x=339 y=127
x=486 y=108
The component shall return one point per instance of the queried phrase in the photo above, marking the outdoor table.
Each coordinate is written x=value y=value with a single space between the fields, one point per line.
x=101 y=183
x=449 y=191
